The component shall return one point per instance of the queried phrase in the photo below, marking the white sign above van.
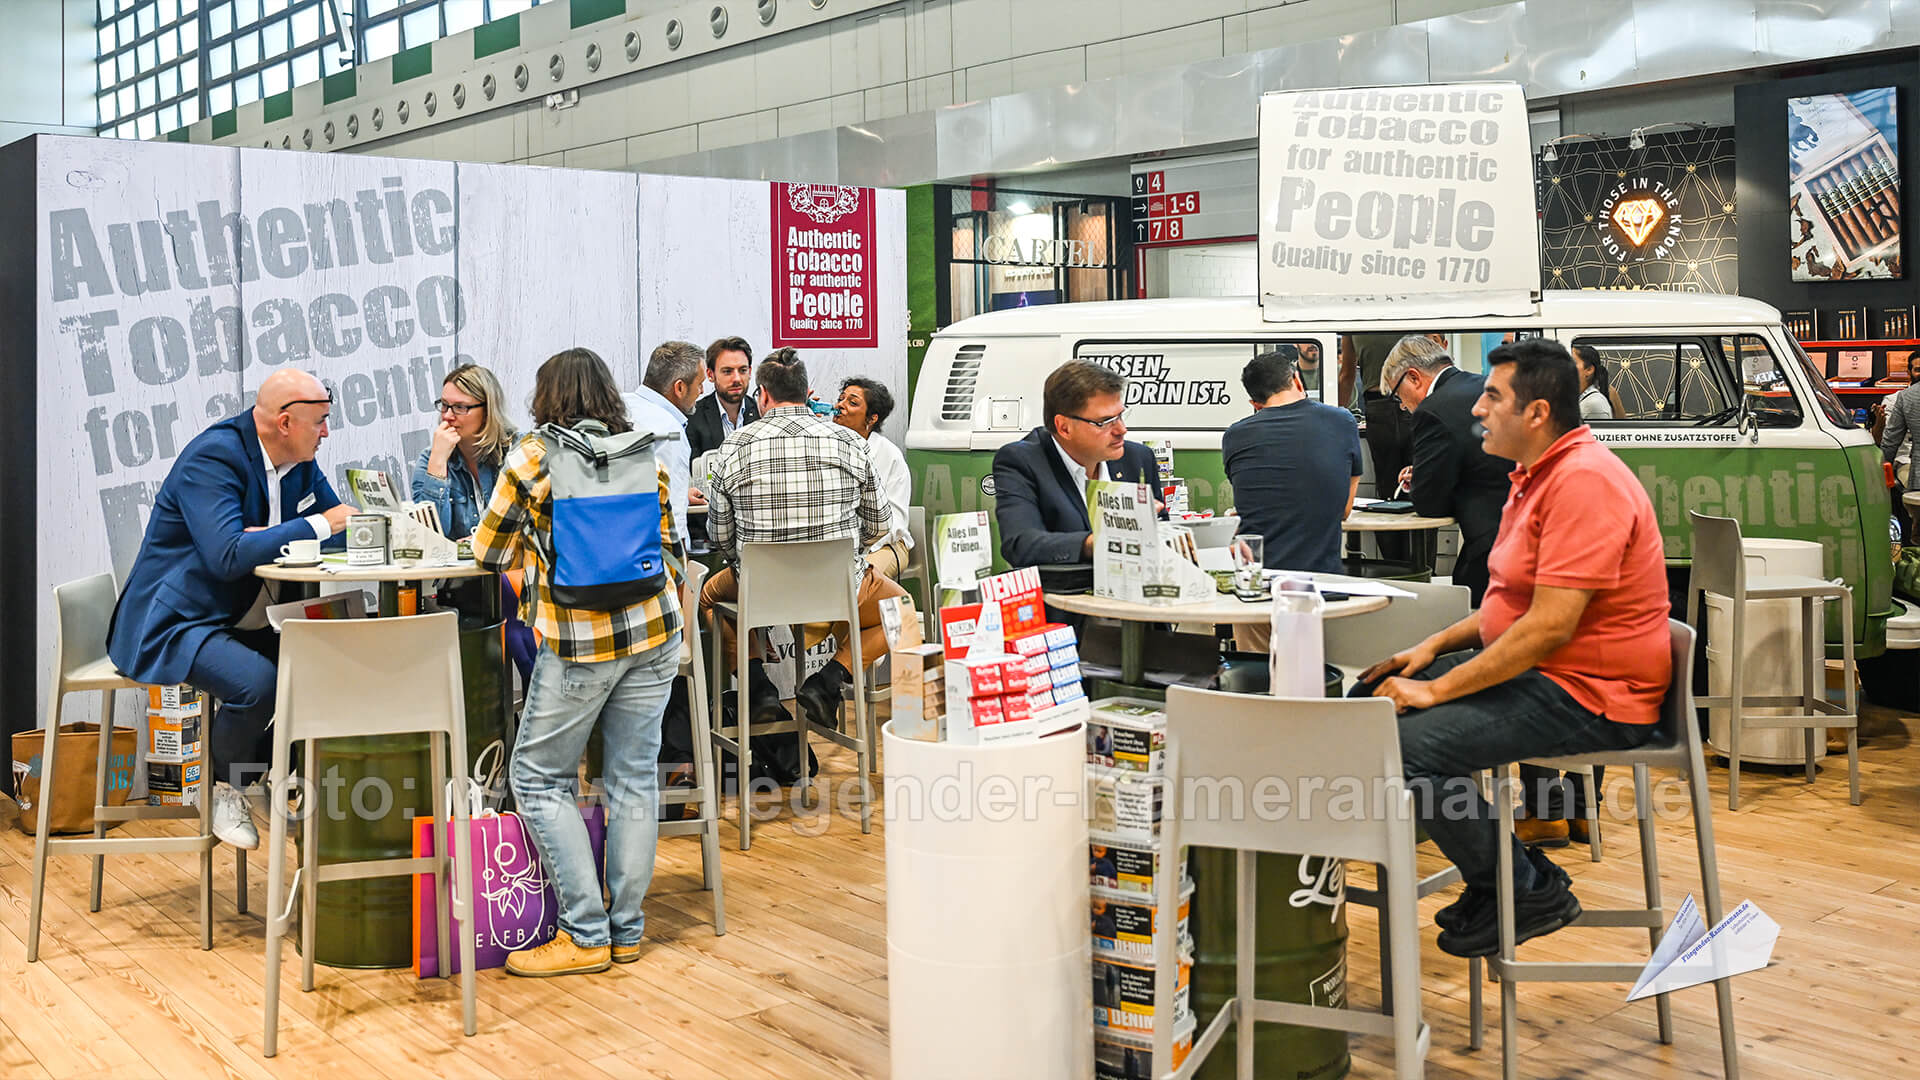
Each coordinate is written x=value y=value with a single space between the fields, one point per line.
x=1397 y=202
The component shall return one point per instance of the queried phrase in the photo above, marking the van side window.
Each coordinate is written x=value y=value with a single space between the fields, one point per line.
x=1823 y=396
x=1670 y=380
x=1769 y=397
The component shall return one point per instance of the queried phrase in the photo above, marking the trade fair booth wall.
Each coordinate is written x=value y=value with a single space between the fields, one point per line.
x=146 y=289
x=1790 y=265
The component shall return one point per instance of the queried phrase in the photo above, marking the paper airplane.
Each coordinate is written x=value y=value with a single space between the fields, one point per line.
x=1689 y=954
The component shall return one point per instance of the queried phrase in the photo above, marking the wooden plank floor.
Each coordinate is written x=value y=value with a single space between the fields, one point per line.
x=797 y=988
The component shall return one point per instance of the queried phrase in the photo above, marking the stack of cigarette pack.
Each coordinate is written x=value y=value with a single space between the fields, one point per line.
x=175 y=718
x=1126 y=775
x=987 y=699
x=1049 y=659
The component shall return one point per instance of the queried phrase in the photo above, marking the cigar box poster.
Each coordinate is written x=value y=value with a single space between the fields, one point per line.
x=1843 y=153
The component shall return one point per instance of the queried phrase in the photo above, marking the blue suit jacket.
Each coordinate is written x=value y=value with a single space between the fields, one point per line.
x=194 y=573
x=1042 y=519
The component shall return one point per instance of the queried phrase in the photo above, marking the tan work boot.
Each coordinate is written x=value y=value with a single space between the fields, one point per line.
x=1541 y=832
x=626 y=954
x=559 y=956
x=1580 y=831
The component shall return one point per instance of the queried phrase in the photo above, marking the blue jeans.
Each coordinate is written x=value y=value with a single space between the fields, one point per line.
x=1528 y=716
x=240 y=667
x=627 y=697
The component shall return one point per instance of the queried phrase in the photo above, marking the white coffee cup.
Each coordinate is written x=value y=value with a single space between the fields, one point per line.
x=300 y=551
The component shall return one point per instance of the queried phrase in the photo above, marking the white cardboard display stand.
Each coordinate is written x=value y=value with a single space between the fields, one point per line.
x=989 y=967
x=1773 y=658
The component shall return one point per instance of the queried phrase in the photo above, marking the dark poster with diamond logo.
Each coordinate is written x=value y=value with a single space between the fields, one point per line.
x=1657 y=217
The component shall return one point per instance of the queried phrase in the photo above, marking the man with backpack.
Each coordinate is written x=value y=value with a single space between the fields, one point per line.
x=585 y=496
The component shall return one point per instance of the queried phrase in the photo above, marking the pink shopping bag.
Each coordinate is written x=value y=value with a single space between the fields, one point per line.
x=515 y=905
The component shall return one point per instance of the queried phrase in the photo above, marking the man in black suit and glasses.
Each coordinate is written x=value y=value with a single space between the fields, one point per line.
x=1040 y=482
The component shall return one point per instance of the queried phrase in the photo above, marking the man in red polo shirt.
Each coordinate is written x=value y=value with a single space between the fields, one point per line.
x=1569 y=652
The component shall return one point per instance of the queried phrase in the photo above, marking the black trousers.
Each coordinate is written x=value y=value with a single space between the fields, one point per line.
x=1390 y=444
x=1546 y=794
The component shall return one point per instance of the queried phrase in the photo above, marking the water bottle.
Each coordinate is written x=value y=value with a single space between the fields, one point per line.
x=1296 y=655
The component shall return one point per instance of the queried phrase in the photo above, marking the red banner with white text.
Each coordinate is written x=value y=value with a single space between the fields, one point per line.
x=823 y=270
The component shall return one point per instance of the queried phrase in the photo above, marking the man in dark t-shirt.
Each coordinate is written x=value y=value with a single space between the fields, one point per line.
x=1294 y=466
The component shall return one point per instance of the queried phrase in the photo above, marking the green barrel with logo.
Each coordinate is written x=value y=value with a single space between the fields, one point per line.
x=371 y=789
x=1300 y=951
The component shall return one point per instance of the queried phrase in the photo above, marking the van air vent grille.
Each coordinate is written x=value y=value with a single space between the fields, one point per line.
x=961 y=381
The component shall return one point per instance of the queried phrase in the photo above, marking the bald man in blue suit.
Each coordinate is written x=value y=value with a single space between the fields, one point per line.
x=192 y=610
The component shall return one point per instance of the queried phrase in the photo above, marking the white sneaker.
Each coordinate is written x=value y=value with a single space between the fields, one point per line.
x=233 y=818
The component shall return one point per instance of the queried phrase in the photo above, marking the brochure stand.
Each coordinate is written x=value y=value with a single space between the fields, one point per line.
x=988 y=956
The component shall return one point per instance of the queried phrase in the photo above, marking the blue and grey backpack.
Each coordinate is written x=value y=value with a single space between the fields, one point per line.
x=604 y=551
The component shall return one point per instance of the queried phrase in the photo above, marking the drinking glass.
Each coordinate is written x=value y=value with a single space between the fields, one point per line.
x=1249 y=564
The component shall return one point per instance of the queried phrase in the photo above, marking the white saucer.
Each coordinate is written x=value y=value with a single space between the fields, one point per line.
x=303 y=564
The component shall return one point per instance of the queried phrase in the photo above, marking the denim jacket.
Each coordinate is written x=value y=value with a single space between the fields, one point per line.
x=458 y=502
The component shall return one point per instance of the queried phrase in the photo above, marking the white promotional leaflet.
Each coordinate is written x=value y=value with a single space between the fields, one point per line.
x=1400 y=202
x=373 y=490
x=1690 y=954
x=1132 y=559
x=963 y=549
x=1126 y=543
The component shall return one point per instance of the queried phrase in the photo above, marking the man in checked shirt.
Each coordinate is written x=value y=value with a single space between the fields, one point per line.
x=796 y=475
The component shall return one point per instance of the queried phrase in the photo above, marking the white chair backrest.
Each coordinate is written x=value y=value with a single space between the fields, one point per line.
x=1359 y=641
x=1313 y=776
x=355 y=677
x=83 y=609
x=917 y=559
x=797 y=581
x=1718 y=566
x=696 y=576
x=1677 y=710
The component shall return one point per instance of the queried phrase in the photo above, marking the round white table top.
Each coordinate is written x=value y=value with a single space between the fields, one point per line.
x=1221 y=608
x=1367 y=521
x=340 y=571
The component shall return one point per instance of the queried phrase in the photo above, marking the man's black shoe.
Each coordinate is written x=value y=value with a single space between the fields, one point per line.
x=820 y=695
x=1537 y=912
x=1465 y=909
x=765 y=698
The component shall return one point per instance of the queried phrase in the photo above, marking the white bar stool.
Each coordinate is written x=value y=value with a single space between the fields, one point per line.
x=82 y=611
x=1245 y=743
x=791 y=584
x=1676 y=746
x=1720 y=569
x=405 y=679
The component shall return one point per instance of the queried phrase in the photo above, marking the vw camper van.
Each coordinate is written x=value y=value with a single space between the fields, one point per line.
x=1719 y=409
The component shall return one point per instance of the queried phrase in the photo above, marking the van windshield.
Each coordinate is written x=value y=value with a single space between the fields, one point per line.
x=1839 y=415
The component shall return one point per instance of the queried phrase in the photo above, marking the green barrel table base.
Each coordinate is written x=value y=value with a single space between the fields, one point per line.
x=371 y=789
x=1300 y=955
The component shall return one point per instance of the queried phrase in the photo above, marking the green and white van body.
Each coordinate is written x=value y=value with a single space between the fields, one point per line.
x=1723 y=413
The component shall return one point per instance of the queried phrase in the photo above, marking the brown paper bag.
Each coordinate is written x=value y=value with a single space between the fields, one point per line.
x=72 y=810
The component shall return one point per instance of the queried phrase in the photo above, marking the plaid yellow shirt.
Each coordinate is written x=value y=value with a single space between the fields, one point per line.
x=522 y=504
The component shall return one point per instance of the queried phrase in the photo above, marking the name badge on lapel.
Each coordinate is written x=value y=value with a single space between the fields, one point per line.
x=304 y=503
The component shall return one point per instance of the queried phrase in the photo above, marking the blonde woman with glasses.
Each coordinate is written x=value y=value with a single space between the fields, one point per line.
x=457 y=472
